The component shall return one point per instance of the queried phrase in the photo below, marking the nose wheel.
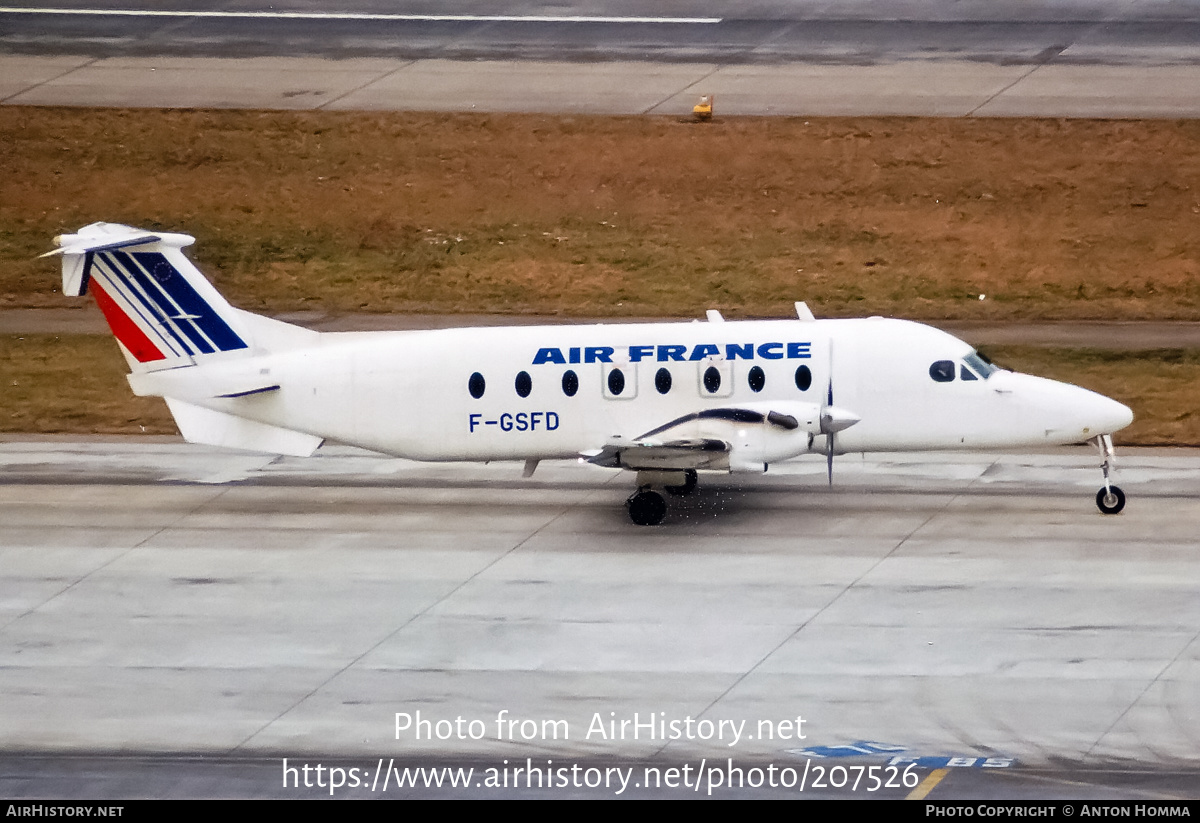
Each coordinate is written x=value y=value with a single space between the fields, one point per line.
x=1110 y=499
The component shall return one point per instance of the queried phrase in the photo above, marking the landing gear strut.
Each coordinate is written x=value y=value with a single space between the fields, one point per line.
x=646 y=507
x=689 y=484
x=1110 y=499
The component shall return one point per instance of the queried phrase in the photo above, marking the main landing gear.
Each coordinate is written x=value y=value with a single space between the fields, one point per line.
x=646 y=506
x=690 y=479
x=1110 y=499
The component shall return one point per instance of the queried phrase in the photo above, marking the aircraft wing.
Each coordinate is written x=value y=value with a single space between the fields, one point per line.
x=697 y=453
x=719 y=439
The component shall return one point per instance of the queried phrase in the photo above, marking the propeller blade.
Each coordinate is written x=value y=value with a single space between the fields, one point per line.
x=833 y=420
x=830 y=430
x=829 y=457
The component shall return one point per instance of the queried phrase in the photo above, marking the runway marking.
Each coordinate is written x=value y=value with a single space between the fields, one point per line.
x=419 y=18
x=926 y=785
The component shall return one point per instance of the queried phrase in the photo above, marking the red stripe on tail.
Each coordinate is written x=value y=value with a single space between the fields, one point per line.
x=124 y=329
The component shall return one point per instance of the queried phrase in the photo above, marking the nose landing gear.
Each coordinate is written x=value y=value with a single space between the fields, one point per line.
x=1110 y=499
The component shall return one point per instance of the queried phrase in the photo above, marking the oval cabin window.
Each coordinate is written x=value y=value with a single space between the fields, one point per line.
x=712 y=379
x=616 y=382
x=803 y=378
x=523 y=384
x=662 y=381
x=476 y=385
x=757 y=379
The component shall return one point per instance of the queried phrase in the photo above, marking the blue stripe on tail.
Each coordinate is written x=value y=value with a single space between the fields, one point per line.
x=168 y=309
x=158 y=278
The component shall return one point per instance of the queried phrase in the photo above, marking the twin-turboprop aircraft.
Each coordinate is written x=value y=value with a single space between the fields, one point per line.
x=665 y=400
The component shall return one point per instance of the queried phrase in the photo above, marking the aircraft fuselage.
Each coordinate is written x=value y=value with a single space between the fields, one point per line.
x=548 y=391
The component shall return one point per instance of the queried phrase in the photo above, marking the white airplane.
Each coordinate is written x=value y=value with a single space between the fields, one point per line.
x=664 y=400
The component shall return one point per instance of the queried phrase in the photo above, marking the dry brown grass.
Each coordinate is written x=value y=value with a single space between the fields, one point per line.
x=626 y=216
x=72 y=384
x=76 y=384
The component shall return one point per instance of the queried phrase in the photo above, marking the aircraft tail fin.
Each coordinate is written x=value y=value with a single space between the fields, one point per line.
x=161 y=309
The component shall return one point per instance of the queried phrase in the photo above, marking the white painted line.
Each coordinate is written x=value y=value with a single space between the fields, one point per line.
x=424 y=18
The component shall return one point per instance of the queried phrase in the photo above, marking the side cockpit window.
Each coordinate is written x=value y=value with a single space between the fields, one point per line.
x=980 y=365
x=942 y=371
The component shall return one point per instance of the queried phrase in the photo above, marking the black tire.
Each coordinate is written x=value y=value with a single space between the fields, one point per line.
x=1110 y=500
x=689 y=484
x=647 y=508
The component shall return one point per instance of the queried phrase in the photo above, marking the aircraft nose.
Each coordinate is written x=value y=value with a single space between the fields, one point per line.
x=1065 y=413
x=1108 y=415
x=1095 y=414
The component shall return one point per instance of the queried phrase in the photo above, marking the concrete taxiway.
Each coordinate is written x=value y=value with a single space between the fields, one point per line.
x=160 y=597
x=918 y=89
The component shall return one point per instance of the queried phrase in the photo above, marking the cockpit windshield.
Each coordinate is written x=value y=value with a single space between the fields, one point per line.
x=980 y=364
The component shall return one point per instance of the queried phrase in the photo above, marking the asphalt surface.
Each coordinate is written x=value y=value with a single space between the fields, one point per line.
x=1054 y=58
x=1009 y=32
x=177 y=620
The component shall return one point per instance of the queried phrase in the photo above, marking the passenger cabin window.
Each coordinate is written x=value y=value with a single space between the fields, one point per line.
x=757 y=379
x=942 y=371
x=523 y=384
x=803 y=378
x=616 y=382
x=476 y=385
x=570 y=383
x=662 y=381
x=712 y=380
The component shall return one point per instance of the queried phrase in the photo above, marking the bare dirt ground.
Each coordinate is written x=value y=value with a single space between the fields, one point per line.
x=969 y=223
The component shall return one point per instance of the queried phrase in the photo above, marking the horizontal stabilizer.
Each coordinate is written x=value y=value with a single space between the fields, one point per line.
x=77 y=250
x=199 y=383
x=135 y=237
x=214 y=428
